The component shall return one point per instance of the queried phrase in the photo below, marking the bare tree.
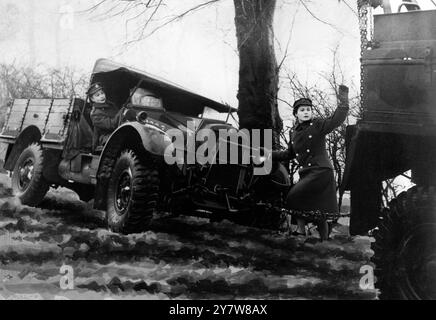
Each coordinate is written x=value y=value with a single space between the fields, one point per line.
x=25 y=82
x=324 y=98
x=325 y=104
x=258 y=70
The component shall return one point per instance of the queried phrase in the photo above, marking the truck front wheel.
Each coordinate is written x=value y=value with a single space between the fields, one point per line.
x=28 y=183
x=133 y=193
x=405 y=247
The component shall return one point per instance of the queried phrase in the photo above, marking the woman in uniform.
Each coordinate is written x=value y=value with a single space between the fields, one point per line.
x=105 y=116
x=314 y=195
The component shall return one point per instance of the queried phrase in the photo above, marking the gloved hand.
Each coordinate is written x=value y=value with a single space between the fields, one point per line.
x=343 y=95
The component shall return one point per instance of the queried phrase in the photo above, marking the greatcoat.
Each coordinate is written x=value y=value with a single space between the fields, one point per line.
x=316 y=189
x=105 y=118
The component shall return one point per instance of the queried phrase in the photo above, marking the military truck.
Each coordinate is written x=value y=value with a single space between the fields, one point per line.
x=396 y=134
x=49 y=144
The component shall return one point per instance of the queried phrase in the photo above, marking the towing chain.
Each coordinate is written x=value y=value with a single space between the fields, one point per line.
x=362 y=6
x=315 y=216
x=365 y=9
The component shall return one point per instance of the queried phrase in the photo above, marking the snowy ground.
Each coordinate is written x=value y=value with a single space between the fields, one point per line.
x=179 y=258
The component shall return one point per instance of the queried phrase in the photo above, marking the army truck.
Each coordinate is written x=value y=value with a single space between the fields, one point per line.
x=50 y=144
x=396 y=134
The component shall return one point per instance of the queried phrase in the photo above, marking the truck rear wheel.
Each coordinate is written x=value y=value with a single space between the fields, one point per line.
x=132 y=195
x=405 y=247
x=28 y=183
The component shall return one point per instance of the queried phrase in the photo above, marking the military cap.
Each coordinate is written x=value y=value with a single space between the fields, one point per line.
x=301 y=102
x=95 y=87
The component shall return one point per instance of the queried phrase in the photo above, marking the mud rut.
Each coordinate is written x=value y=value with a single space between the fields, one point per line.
x=180 y=257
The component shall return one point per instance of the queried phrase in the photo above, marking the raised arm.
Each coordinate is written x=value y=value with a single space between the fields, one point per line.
x=328 y=125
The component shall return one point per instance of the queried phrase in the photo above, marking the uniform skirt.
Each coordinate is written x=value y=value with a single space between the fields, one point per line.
x=316 y=190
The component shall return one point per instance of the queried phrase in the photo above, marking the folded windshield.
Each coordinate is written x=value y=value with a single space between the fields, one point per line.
x=145 y=98
x=209 y=113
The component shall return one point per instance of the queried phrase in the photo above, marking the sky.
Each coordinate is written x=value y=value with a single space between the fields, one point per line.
x=198 y=52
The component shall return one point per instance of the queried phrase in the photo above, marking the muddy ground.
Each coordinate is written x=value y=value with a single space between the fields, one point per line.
x=178 y=258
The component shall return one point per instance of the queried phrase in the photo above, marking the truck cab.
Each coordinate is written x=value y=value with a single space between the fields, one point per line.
x=396 y=133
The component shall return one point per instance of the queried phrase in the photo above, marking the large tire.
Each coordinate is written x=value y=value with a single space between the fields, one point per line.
x=28 y=183
x=405 y=247
x=133 y=194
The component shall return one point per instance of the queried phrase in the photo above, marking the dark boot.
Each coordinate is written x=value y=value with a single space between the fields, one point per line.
x=323 y=230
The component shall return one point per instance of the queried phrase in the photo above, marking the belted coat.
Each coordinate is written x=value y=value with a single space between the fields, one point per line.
x=105 y=118
x=316 y=189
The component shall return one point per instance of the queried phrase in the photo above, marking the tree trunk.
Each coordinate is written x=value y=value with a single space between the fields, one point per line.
x=258 y=71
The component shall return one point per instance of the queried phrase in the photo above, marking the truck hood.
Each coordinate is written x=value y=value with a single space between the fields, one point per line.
x=185 y=123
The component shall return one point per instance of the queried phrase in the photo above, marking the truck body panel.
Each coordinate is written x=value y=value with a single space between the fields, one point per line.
x=50 y=116
x=399 y=99
x=400 y=73
x=396 y=131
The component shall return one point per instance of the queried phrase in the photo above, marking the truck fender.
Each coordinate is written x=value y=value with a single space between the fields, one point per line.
x=133 y=135
x=28 y=136
x=152 y=139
